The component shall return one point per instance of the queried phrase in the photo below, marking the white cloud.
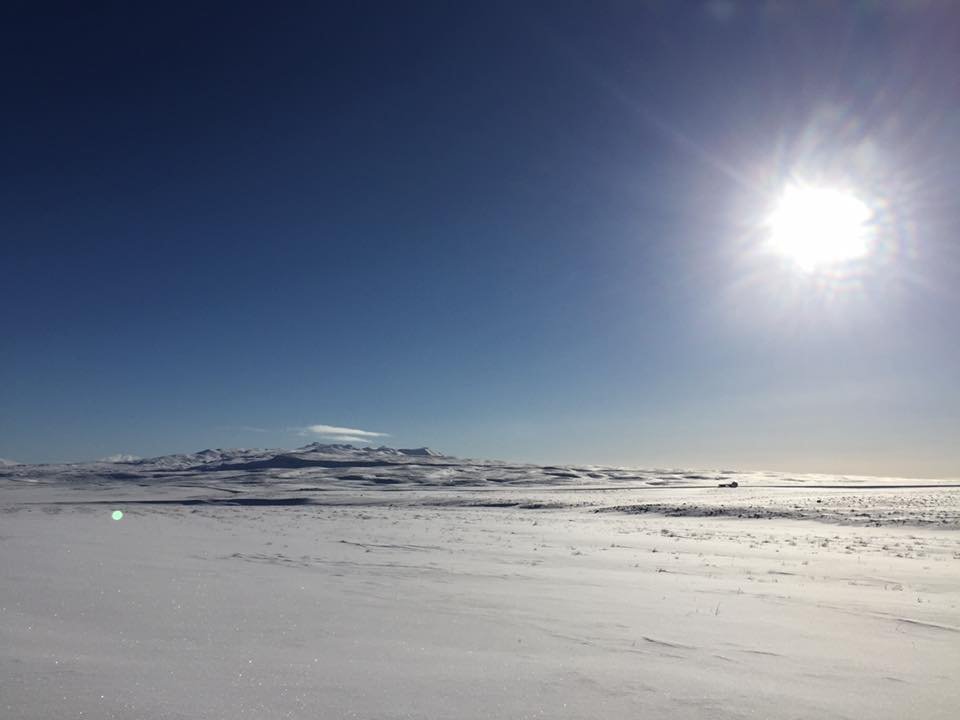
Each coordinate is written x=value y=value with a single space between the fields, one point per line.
x=341 y=434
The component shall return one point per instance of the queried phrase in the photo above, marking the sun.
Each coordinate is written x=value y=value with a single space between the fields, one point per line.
x=818 y=227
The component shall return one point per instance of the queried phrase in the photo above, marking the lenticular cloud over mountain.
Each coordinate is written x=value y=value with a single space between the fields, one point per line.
x=342 y=434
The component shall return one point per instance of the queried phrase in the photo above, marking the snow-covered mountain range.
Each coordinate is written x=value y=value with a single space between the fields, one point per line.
x=339 y=474
x=320 y=465
x=234 y=458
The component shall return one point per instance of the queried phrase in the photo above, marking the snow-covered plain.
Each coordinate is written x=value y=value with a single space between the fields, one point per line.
x=337 y=582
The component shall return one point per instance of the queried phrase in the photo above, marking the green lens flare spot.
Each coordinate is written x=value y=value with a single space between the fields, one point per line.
x=117 y=515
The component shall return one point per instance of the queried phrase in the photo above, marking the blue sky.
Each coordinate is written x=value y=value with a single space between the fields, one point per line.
x=530 y=231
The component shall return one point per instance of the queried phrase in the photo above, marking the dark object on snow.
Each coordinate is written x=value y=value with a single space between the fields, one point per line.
x=729 y=484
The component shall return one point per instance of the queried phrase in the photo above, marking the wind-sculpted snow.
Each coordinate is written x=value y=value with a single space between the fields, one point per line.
x=341 y=582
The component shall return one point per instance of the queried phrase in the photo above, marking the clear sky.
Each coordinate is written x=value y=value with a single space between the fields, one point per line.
x=530 y=231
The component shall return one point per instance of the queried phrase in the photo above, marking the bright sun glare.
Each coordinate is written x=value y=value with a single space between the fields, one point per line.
x=818 y=227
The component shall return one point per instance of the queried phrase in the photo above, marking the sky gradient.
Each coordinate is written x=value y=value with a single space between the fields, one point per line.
x=527 y=231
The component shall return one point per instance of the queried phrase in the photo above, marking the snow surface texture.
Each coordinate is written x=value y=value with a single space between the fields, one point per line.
x=340 y=582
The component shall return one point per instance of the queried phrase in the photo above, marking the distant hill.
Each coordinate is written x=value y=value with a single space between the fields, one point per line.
x=241 y=473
